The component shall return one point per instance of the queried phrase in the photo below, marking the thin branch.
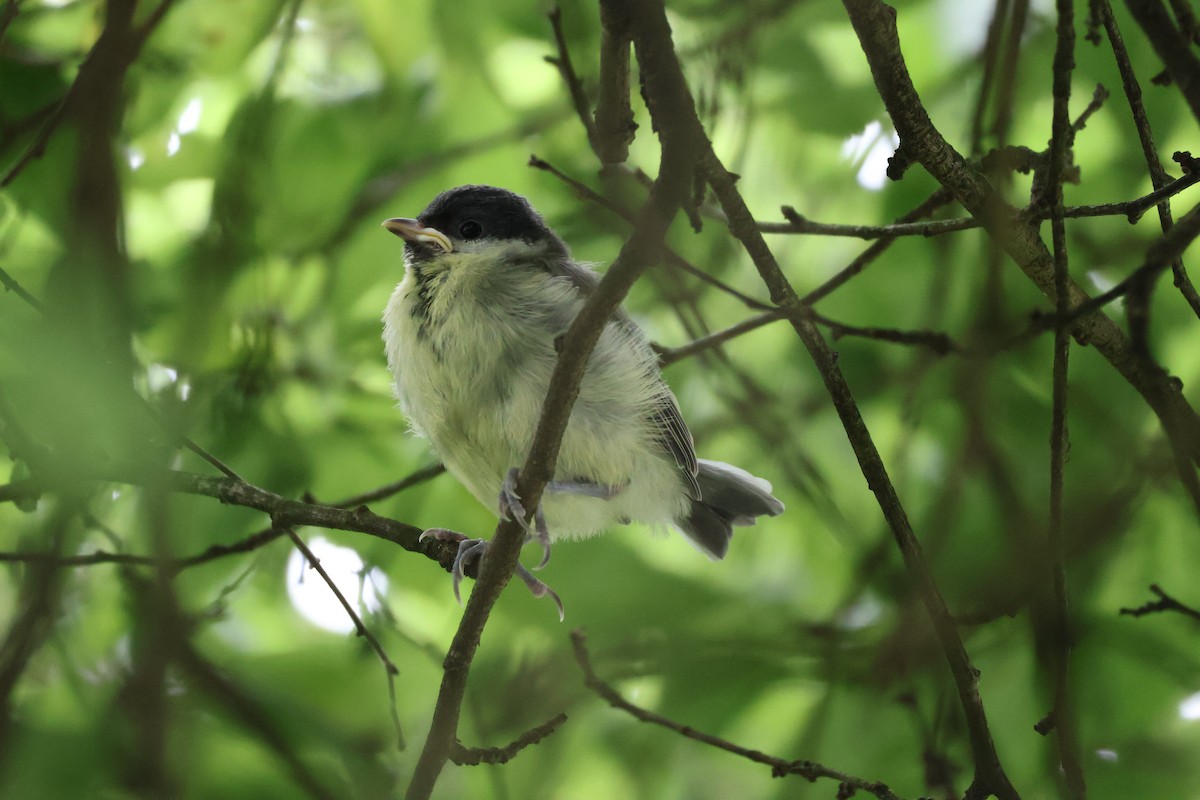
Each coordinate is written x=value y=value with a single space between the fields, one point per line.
x=474 y=756
x=780 y=767
x=1164 y=603
x=562 y=62
x=876 y=27
x=1134 y=209
x=990 y=776
x=936 y=341
x=798 y=224
x=36 y=610
x=661 y=75
x=127 y=53
x=1059 y=634
x=360 y=629
x=671 y=355
x=11 y=285
x=669 y=255
x=283 y=511
x=1006 y=89
x=614 y=127
x=1130 y=209
x=990 y=58
x=1158 y=175
x=420 y=476
x=864 y=259
x=212 y=553
x=37 y=147
x=1186 y=19
x=1172 y=47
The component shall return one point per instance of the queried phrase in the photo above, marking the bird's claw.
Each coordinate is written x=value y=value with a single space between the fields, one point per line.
x=510 y=502
x=542 y=535
x=474 y=549
x=512 y=508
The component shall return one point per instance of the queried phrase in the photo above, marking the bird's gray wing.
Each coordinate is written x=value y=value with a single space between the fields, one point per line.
x=672 y=434
x=670 y=431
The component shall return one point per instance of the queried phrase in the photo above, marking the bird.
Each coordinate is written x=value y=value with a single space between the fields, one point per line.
x=472 y=334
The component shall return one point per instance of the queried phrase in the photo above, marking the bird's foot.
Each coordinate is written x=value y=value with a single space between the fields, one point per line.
x=509 y=501
x=512 y=508
x=474 y=549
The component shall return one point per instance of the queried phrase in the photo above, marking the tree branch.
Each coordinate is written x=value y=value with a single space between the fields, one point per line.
x=474 y=756
x=360 y=629
x=1172 y=47
x=562 y=62
x=661 y=75
x=1058 y=634
x=1164 y=603
x=1158 y=175
x=780 y=767
x=876 y=27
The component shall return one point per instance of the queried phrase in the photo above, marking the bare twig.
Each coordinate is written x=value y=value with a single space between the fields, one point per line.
x=1059 y=639
x=799 y=224
x=875 y=24
x=936 y=341
x=1005 y=90
x=1158 y=175
x=1130 y=209
x=474 y=756
x=11 y=285
x=989 y=774
x=31 y=623
x=362 y=630
x=671 y=355
x=935 y=201
x=1172 y=47
x=990 y=58
x=126 y=53
x=562 y=62
x=283 y=511
x=780 y=767
x=246 y=545
x=1164 y=603
x=420 y=476
x=669 y=255
x=614 y=127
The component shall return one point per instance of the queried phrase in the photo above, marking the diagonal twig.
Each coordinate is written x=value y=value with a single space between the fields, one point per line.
x=780 y=767
x=474 y=756
x=360 y=629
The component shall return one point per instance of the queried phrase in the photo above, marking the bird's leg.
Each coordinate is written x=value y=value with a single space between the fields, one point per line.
x=474 y=549
x=512 y=508
x=509 y=501
x=586 y=488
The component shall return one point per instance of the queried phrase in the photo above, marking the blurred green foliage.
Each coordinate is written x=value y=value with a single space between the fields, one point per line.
x=260 y=144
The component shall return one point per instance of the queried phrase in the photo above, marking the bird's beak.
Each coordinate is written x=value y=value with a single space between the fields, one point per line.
x=411 y=230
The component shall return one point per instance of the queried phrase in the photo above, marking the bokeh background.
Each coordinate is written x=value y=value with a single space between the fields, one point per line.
x=206 y=229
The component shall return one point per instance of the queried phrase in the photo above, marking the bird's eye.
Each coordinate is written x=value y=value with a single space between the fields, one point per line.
x=470 y=230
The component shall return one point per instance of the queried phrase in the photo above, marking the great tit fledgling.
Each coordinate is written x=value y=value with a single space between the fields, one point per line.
x=470 y=334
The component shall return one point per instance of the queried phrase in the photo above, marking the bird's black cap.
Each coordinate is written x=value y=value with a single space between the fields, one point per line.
x=500 y=214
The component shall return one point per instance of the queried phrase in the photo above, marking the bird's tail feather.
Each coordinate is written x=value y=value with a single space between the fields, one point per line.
x=729 y=496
